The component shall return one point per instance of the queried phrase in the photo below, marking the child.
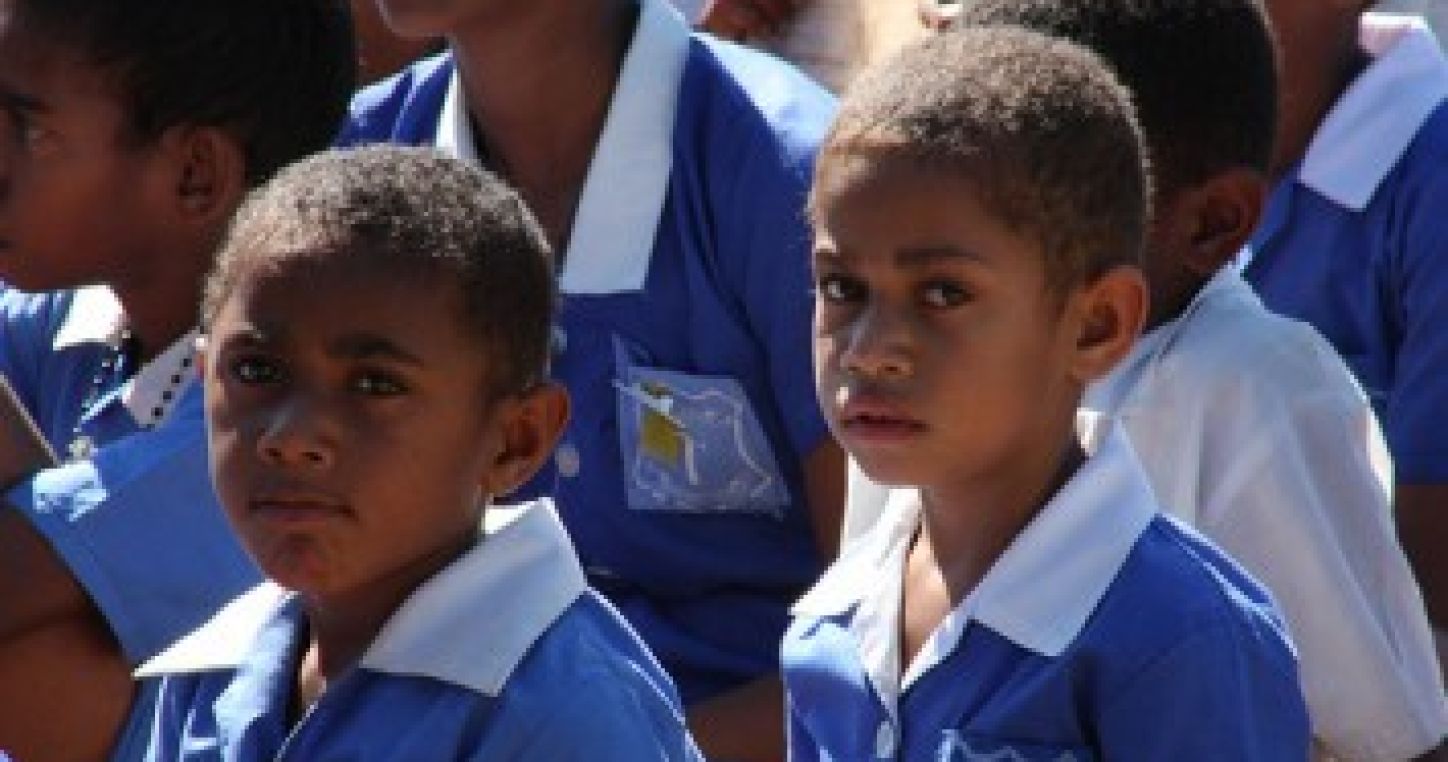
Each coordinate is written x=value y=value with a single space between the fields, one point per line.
x=1354 y=235
x=697 y=477
x=1018 y=600
x=1247 y=424
x=131 y=129
x=375 y=372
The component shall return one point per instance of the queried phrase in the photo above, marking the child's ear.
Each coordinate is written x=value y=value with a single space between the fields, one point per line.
x=1112 y=311
x=1223 y=211
x=531 y=425
x=208 y=173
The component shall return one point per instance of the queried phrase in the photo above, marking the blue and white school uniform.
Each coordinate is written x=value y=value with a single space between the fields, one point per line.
x=1105 y=631
x=1252 y=430
x=504 y=654
x=130 y=511
x=683 y=337
x=1355 y=239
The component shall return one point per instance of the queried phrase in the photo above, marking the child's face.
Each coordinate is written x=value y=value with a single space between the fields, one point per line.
x=426 y=18
x=941 y=355
x=76 y=201
x=353 y=440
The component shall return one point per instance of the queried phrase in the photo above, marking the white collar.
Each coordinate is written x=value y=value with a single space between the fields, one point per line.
x=95 y=316
x=628 y=179
x=471 y=624
x=1038 y=594
x=1374 y=122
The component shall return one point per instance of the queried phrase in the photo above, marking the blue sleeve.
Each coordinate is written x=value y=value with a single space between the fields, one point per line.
x=1417 y=410
x=800 y=745
x=141 y=530
x=1225 y=692
x=622 y=719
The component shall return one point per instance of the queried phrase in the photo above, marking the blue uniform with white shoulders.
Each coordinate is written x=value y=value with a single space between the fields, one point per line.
x=502 y=655
x=1105 y=631
x=1354 y=240
x=135 y=520
x=683 y=337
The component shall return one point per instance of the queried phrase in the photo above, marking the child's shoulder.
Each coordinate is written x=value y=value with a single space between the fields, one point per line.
x=736 y=95
x=1175 y=592
x=1230 y=347
x=403 y=107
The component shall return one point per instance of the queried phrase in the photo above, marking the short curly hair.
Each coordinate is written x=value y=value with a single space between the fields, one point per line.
x=407 y=211
x=1202 y=72
x=1038 y=126
x=275 y=74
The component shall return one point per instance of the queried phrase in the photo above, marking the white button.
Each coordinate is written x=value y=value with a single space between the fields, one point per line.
x=567 y=460
x=885 y=741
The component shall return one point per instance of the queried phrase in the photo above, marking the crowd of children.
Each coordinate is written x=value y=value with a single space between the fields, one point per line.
x=506 y=412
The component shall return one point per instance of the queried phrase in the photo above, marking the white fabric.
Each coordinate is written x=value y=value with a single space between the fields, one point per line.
x=1252 y=429
x=628 y=180
x=1375 y=120
x=96 y=317
x=524 y=566
x=1038 y=594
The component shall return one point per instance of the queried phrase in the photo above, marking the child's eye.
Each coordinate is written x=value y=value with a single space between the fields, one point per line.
x=377 y=384
x=839 y=289
x=255 y=370
x=940 y=294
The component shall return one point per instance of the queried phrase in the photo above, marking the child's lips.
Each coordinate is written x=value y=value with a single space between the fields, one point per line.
x=872 y=418
x=297 y=507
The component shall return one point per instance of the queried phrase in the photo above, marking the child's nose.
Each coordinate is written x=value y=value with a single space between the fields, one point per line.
x=878 y=347
x=295 y=434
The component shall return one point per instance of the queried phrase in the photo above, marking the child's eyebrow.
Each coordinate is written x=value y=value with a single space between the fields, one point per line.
x=919 y=256
x=370 y=346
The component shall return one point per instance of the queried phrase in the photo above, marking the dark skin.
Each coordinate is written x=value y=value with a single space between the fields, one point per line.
x=742 y=20
x=65 y=686
x=540 y=122
x=1320 y=59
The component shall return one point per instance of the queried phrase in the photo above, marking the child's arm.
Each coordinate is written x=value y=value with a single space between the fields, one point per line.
x=64 y=687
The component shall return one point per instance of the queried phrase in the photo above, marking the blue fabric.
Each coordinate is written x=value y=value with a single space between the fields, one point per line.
x=137 y=524
x=1375 y=283
x=587 y=690
x=705 y=576
x=1182 y=659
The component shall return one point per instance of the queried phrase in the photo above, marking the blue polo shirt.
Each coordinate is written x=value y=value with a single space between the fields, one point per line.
x=136 y=520
x=683 y=337
x=1105 y=631
x=502 y=655
x=1355 y=240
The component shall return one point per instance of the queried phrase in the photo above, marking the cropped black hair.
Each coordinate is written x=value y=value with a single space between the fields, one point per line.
x=1202 y=72
x=408 y=212
x=276 y=74
x=1038 y=126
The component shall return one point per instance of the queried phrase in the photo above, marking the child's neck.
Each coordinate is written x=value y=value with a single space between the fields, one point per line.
x=341 y=627
x=161 y=306
x=538 y=84
x=1309 y=93
x=963 y=532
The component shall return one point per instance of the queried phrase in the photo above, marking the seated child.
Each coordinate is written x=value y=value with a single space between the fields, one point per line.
x=375 y=372
x=1248 y=425
x=1354 y=235
x=129 y=130
x=979 y=207
x=668 y=170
